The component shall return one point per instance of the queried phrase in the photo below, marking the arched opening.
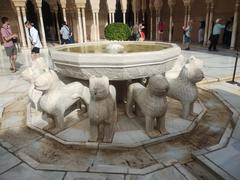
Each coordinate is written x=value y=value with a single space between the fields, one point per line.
x=118 y=12
x=31 y=13
x=129 y=14
x=48 y=22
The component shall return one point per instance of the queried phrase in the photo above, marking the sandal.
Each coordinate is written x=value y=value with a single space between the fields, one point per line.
x=14 y=70
x=11 y=69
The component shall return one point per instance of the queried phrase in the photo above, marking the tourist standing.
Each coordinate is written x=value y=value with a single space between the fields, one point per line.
x=215 y=35
x=135 y=33
x=161 y=28
x=187 y=35
x=8 y=39
x=142 y=34
x=227 y=35
x=35 y=40
x=201 y=32
x=66 y=33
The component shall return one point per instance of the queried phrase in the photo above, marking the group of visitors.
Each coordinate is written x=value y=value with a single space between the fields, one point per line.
x=138 y=33
x=9 y=40
x=213 y=37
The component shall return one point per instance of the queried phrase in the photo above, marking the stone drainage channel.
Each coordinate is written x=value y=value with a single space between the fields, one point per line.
x=40 y=152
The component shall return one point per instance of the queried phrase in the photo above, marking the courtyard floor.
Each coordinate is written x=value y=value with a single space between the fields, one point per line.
x=210 y=151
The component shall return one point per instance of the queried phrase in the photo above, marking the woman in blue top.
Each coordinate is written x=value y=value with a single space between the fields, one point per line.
x=215 y=35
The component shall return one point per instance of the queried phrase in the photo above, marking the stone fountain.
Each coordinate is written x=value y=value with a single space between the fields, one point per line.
x=123 y=61
x=91 y=116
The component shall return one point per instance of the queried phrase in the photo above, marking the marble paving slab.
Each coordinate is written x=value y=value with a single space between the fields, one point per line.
x=7 y=160
x=227 y=158
x=236 y=132
x=137 y=158
x=24 y=172
x=164 y=174
x=92 y=176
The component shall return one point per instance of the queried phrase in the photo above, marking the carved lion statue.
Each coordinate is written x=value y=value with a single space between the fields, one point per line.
x=58 y=99
x=102 y=110
x=184 y=89
x=30 y=74
x=151 y=101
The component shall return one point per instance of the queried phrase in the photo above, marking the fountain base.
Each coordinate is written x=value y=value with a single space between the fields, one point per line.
x=129 y=133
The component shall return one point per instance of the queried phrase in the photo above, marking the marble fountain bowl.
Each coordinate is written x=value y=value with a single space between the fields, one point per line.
x=116 y=60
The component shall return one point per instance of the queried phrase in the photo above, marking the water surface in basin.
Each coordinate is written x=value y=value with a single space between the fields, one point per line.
x=128 y=48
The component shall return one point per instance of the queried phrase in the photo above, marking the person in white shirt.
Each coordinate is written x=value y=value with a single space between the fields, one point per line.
x=66 y=33
x=35 y=40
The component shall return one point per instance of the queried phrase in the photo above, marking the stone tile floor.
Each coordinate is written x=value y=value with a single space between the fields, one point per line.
x=18 y=138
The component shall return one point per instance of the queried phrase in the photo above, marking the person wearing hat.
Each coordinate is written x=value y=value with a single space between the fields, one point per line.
x=216 y=34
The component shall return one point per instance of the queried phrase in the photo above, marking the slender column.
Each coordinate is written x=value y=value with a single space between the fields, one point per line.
x=84 y=24
x=210 y=20
x=95 y=27
x=110 y=17
x=185 y=15
x=113 y=17
x=135 y=17
x=64 y=15
x=151 y=26
x=206 y=25
x=157 y=23
x=21 y=27
x=97 y=23
x=170 y=25
x=57 y=23
x=189 y=13
x=42 y=28
x=26 y=29
x=124 y=16
x=235 y=23
x=80 y=24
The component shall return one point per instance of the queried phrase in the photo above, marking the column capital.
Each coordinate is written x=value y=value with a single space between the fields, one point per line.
x=135 y=6
x=123 y=5
x=80 y=3
x=237 y=3
x=19 y=3
x=39 y=3
x=187 y=2
x=111 y=5
x=144 y=7
x=63 y=3
x=209 y=1
x=158 y=4
x=171 y=3
x=95 y=5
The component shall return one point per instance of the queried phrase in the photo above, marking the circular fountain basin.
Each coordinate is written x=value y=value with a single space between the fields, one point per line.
x=119 y=61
